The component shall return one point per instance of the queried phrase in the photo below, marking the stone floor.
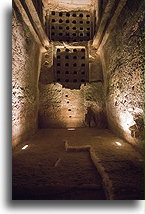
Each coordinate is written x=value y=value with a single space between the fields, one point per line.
x=80 y=164
x=46 y=171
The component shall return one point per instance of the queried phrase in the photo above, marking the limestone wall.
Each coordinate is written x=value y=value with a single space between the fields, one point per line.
x=61 y=107
x=25 y=71
x=122 y=58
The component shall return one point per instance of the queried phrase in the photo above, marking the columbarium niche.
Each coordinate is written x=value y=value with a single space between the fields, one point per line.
x=72 y=26
x=71 y=66
x=77 y=86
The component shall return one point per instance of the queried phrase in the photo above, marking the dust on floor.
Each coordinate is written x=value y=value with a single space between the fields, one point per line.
x=45 y=170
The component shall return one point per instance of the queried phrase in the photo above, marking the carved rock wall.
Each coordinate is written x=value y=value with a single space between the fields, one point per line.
x=25 y=71
x=123 y=68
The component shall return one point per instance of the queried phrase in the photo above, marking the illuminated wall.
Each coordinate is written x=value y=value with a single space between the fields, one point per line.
x=25 y=67
x=122 y=58
x=119 y=91
x=62 y=107
x=68 y=85
x=65 y=105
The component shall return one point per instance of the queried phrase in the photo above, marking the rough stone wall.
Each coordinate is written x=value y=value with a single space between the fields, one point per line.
x=94 y=100
x=95 y=66
x=57 y=110
x=67 y=5
x=123 y=73
x=25 y=68
x=62 y=107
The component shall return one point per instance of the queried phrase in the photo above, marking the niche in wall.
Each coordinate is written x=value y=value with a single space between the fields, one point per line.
x=73 y=26
x=70 y=66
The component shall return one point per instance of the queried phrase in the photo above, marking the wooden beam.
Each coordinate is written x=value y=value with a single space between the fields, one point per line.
x=105 y=17
x=103 y=34
x=112 y=23
x=37 y=23
x=27 y=21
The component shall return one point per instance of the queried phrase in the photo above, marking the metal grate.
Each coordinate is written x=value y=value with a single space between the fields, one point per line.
x=70 y=66
x=74 y=26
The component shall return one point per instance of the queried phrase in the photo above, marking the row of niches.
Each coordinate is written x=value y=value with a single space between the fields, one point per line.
x=70 y=49
x=62 y=80
x=70 y=73
x=70 y=39
x=68 y=28
x=74 y=57
x=60 y=21
x=72 y=35
x=70 y=65
x=70 y=54
x=74 y=26
x=79 y=14
x=70 y=57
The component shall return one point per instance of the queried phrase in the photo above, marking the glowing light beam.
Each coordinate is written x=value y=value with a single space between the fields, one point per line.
x=118 y=144
x=24 y=147
x=71 y=129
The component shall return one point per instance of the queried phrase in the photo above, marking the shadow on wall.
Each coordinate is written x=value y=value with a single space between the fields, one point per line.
x=93 y=119
x=61 y=107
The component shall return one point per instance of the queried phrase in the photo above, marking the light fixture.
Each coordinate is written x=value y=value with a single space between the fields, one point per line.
x=118 y=144
x=71 y=129
x=24 y=147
